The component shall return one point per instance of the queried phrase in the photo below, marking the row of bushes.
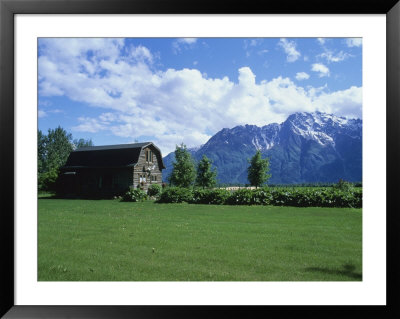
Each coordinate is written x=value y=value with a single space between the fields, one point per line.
x=137 y=195
x=306 y=197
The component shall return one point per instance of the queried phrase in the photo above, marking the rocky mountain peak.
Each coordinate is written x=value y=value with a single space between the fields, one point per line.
x=307 y=147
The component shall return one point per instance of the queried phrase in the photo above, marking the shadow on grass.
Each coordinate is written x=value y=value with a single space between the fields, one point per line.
x=46 y=196
x=348 y=271
x=75 y=197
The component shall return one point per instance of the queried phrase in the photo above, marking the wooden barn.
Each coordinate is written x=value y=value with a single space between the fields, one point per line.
x=111 y=169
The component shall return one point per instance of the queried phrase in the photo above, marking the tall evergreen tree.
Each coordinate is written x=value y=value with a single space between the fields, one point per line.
x=206 y=177
x=183 y=172
x=257 y=173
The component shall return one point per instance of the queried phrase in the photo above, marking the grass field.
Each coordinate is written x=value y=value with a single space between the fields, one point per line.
x=108 y=240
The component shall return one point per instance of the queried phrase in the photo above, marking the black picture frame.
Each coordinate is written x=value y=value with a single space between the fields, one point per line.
x=8 y=8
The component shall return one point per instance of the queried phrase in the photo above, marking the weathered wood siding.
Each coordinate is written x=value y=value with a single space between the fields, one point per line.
x=112 y=180
x=140 y=170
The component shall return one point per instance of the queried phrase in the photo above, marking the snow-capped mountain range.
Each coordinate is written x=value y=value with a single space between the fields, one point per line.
x=306 y=148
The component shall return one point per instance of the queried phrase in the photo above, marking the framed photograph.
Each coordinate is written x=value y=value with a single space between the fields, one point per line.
x=276 y=114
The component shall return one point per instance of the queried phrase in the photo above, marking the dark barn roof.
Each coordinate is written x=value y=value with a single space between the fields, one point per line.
x=123 y=155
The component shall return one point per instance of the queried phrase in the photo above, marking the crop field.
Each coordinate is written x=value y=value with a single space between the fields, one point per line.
x=109 y=240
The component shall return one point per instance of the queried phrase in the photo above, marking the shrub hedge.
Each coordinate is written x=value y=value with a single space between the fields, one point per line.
x=175 y=195
x=209 y=196
x=134 y=195
x=154 y=190
x=285 y=196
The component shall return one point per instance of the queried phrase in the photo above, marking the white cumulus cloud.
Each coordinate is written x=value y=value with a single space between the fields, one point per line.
x=290 y=49
x=331 y=55
x=183 y=43
x=141 y=53
x=174 y=106
x=321 y=69
x=354 y=42
x=346 y=103
x=334 y=57
x=187 y=40
x=42 y=113
x=302 y=76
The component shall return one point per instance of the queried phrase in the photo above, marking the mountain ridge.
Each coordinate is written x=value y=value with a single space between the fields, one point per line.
x=305 y=148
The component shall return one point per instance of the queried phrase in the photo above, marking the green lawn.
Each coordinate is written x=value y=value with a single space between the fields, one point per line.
x=108 y=240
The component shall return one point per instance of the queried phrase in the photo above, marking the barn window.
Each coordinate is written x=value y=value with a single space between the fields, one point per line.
x=149 y=156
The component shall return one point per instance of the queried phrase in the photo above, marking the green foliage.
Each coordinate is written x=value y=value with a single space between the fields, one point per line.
x=282 y=196
x=175 y=195
x=154 y=190
x=210 y=196
x=343 y=185
x=58 y=146
x=53 y=152
x=242 y=197
x=246 y=196
x=206 y=177
x=47 y=181
x=134 y=195
x=183 y=172
x=82 y=143
x=316 y=196
x=257 y=173
x=41 y=152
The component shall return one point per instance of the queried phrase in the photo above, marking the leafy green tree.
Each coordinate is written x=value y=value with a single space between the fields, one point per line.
x=82 y=143
x=41 y=151
x=183 y=172
x=206 y=177
x=58 y=147
x=257 y=172
x=48 y=179
x=53 y=152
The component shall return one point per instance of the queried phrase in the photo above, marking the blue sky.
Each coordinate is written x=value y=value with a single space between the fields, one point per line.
x=174 y=90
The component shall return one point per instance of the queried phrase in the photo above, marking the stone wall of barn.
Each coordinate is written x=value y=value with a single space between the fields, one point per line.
x=147 y=170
